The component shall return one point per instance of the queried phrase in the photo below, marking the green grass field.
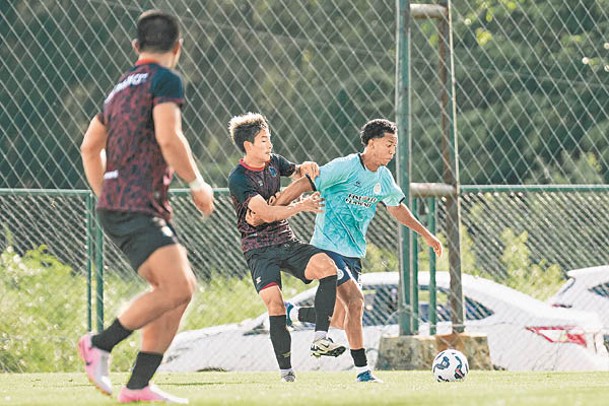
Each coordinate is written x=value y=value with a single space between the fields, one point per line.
x=326 y=388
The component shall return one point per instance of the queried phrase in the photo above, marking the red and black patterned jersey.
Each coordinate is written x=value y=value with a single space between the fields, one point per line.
x=137 y=177
x=244 y=183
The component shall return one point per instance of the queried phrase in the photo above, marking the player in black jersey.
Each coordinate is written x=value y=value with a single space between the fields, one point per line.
x=130 y=152
x=272 y=247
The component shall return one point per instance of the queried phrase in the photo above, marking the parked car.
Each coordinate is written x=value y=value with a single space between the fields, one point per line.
x=586 y=289
x=523 y=333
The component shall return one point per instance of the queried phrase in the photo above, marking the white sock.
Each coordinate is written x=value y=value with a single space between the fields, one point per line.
x=285 y=372
x=359 y=370
x=319 y=335
x=293 y=314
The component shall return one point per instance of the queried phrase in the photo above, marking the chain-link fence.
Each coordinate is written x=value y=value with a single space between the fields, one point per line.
x=532 y=80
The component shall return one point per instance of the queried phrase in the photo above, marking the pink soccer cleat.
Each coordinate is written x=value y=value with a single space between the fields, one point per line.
x=97 y=364
x=148 y=394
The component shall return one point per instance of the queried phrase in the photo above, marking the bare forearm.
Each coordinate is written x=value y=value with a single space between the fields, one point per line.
x=174 y=146
x=261 y=212
x=277 y=213
x=293 y=191
x=415 y=226
x=405 y=217
x=93 y=154
x=178 y=155
x=95 y=166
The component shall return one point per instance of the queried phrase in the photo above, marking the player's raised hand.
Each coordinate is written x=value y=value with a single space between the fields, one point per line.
x=253 y=219
x=312 y=203
x=434 y=243
x=203 y=198
x=308 y=168
x=273 y=199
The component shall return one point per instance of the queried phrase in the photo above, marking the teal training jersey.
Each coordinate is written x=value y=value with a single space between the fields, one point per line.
x=351 y=194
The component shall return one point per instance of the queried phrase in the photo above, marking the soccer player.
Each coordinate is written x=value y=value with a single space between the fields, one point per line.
x=272 y=247
x=130 y=152
x=352 y=186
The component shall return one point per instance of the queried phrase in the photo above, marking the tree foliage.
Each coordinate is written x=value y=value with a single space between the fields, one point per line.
x=531 y=83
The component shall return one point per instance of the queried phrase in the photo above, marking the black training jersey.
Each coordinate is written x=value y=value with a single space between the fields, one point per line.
x=137 y=177
x=244 y=183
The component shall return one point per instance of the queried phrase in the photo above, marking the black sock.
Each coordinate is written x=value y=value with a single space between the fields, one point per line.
x=306 y=315
x=325 y=299
x=282 y=342
x=114 y=334
x=359 y=357
x=145 y=366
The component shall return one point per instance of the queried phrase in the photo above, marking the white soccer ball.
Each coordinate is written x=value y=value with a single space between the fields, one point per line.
x=450 y=366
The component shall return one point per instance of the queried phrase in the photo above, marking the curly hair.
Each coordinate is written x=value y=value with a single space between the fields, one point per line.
x=376 y=129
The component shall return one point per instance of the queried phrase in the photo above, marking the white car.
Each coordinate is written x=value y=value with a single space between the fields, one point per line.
x=523 y=333
x=586 y=289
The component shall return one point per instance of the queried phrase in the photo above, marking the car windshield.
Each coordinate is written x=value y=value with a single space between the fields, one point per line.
x=381 y=305
x=568 y=285
x=601 y=290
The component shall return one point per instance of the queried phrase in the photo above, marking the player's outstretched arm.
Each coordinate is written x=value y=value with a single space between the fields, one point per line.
x=92 y=151
x=293 y=192
x=176 y=151
x=403 y=215
x=266 y=213
x=284 y=198
x=307 y=168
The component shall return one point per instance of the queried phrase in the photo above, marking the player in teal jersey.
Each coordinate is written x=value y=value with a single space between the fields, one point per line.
x=352 y=187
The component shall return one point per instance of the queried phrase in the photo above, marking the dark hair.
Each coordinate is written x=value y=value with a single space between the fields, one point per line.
x=376 y=129
x=245 y=128
x=157 y=31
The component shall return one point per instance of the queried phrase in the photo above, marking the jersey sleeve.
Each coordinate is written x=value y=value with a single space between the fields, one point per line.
x=101 y=117
x=395 y=195
x=166 y=87
x=241 y=188
x=332 y=173
x=286 y=168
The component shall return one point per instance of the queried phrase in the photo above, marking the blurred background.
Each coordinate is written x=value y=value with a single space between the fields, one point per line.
x=532 y=81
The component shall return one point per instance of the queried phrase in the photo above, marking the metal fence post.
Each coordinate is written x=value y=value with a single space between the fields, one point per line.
x=431 y=226
x=402 y=102
x=90 y=203
x=99 y=274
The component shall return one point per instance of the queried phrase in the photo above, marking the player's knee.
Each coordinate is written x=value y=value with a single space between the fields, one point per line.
x=355 y=304
x=274 y=304
x=181 y=293
x=276 y=308
x=322 y=266
x=181 y=298
x=192 y=284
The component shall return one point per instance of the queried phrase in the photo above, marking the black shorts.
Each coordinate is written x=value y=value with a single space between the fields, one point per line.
x=137 y=235
x=266 y=263
x=348 y=268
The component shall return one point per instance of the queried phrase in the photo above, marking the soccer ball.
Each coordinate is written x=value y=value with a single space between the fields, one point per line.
x=450 y=366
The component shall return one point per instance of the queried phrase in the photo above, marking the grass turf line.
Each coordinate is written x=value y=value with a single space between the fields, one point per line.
x=324 y=388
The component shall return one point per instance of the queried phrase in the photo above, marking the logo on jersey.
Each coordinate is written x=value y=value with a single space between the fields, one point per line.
x=272 y=171
x=377 y=189
x=260 y=183
x=357 y=200
x=133 y=80
x=358 y=183
x=340 y=274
